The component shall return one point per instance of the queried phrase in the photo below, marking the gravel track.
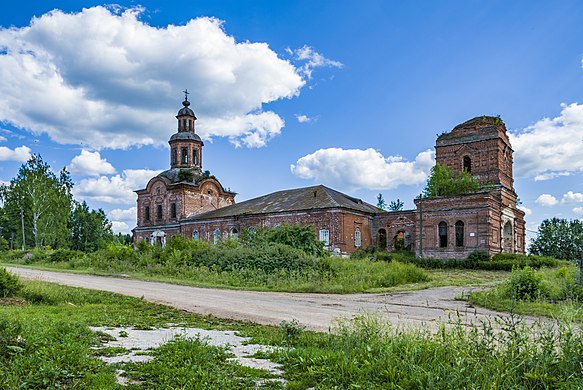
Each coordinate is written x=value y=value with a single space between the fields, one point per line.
x=425 y=308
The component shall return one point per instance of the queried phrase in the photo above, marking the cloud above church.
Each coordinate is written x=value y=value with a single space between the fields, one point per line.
x=551 y=147
x=90 y=164
x=103 y=78
x=122 y=219
x=117 y=189
x=351 y=169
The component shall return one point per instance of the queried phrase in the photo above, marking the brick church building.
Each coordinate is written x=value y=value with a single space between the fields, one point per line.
x=189 y=201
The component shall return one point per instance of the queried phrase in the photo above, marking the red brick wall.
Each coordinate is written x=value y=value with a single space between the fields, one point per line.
x=341 y=225
x=483 y=215
x=491 y=156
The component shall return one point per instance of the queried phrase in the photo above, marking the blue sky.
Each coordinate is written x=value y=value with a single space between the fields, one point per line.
x=288 y=94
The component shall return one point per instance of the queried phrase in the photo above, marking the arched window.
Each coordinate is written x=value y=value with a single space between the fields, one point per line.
x=467 y=164
x=459 y=233
x=195 y=157
x=147 y=213
x=195 y=235
x=159 y=211
x=357 y=238
x=173 y=210
x=216 y=236
x=174 y=156
x=184 y=153
x=234 y=233
x=507 y=238
x=442 y=228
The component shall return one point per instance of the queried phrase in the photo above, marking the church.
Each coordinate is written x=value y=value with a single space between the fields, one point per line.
x=189 y=201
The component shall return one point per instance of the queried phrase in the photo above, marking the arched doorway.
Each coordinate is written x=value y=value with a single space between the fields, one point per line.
x=382 y=239
x=507 y=238
x=158 y=237
x=402 y=241
x=399 y=241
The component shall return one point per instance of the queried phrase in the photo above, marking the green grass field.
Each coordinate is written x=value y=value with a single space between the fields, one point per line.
x=46 y=342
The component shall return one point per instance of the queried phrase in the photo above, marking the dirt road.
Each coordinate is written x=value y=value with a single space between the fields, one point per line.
x=314 y=311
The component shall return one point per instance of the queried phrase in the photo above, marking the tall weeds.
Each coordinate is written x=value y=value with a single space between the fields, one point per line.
x=368 y=353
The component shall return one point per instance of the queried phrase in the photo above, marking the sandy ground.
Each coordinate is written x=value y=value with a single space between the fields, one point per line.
x=425 y=308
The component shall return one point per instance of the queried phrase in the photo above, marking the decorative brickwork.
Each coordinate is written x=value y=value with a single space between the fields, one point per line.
x=181 y=192
x=183 y=200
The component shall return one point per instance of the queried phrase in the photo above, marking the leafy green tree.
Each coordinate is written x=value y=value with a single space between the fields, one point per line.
x=381 y=204
x=396 y=205
x=445 y=182
x=90 y=229
x=559 y=238
x=41 y=201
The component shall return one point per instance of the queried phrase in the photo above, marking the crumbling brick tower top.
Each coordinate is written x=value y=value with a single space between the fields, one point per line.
x=481 y=147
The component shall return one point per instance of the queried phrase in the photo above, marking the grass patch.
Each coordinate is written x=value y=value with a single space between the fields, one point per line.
x=46 y=343
x=369 y=354
x=548 y=292
x=192 y=364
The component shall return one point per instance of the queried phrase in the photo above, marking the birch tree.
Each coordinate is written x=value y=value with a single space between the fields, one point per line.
x=40 y=201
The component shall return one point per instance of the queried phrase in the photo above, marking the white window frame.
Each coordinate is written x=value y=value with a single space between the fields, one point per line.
x=216 y=237
x=357 y=238
x=324 y=236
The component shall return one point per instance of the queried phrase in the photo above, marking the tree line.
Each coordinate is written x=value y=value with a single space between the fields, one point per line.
x=37 y=210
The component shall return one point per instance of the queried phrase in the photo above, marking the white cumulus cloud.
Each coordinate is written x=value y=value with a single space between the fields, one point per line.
x=106 y=79
x=118 y=189
x=546 y=200
x=578 y=210
x=122 y=219
x=572 y=197
x=551 y=147
x=120 y=227
x=123 y=214
x=21 y=153
x=351 y=169
x=526 y=210
x=90 y=164
x=303 y=118
x=312 y=59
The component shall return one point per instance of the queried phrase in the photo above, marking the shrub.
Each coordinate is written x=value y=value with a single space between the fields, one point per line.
x=179 y=242
x=383 y=256
x=4 y=246
x=525 y=284
x=10 y=285
x=478 y=256
x=64 y=255
x=297 y=236
x=116 y=251
x=291 y=331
